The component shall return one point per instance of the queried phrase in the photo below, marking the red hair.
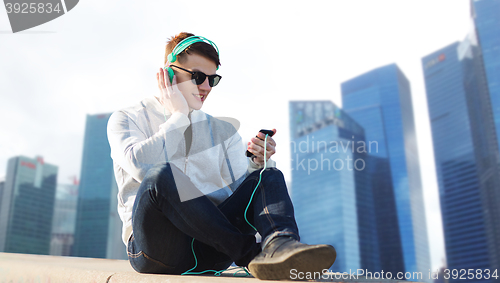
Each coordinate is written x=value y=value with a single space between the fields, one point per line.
x=200 y=48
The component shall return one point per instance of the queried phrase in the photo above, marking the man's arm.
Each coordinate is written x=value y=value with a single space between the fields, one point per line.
x=241 y=166
x=252 y=166
x=132 y=150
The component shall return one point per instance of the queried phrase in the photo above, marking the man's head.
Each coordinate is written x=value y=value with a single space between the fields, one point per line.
x=199 y=56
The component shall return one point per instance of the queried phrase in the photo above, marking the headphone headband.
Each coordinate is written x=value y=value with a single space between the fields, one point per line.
x=185 y=43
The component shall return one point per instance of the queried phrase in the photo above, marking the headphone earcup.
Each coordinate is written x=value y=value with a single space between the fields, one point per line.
x=170 y=74
x=171 y=58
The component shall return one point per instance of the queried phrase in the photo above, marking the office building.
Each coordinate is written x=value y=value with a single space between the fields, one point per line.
x=380 y=101
x=482 y=83
x=463 y=95
x=332 y=198
x=484 y=14
x=27 y=206
x=456 y=166
x=98 y=226
x=63 y=222
x=2 y=183
x=484 y=138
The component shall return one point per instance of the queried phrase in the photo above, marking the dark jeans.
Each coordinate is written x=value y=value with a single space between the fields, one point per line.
x=163 y=226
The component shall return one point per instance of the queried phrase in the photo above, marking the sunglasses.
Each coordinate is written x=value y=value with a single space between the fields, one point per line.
x=198 y=77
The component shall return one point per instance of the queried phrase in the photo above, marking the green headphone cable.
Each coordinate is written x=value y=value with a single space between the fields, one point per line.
x=218 y=273
x=254 y=190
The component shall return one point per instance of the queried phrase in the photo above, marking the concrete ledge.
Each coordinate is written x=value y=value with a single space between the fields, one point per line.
x=56 y=269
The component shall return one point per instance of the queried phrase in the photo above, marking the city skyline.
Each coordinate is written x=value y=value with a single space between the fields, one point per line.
x=463 y=109
x=72 y=53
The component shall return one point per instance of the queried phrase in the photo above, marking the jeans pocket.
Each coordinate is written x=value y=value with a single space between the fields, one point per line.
x=132 y=254
x=142 y=263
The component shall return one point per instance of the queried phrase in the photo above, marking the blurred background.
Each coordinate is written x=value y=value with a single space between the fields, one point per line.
x=387 y=114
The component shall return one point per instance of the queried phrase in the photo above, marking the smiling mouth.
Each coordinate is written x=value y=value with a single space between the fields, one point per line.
x=202 y=97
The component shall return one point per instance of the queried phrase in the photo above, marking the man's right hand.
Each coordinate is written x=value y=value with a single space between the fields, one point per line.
x=171 y=97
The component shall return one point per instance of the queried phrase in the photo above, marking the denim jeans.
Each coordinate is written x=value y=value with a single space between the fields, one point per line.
x=163 y=226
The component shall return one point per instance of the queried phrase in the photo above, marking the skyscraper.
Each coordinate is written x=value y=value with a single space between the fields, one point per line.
x=487 y=27
x=456 y=165
x=487 y=35
x=485 y=140
x=63 y=222
x=380 y=101
x=463 y=90
x=98 y=226
x=2 y=184
x=332 y=198
x=27 y=206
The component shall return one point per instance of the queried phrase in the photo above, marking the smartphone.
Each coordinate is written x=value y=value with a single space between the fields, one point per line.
x=268 y=132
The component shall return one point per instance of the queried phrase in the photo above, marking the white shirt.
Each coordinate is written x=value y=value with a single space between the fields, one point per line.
x=140 y=137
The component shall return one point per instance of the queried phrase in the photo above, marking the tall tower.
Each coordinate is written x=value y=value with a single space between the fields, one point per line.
x=332 y=198
x=98 y=226
x=485 y=143
x=455 y=158
x=485 y=13
x=462 y=89
x=63 y=222
x=2 y=184
x=27 y=206
x=481 y=59
x=380 y=101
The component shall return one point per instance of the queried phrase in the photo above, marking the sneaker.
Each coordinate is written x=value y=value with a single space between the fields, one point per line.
x=283 y=254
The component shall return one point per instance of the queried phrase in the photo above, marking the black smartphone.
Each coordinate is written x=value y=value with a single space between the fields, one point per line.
x=268 y=132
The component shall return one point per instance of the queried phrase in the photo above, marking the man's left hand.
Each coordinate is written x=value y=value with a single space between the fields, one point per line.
x=256 y=146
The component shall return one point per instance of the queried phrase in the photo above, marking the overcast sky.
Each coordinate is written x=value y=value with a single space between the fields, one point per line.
x=104 y=55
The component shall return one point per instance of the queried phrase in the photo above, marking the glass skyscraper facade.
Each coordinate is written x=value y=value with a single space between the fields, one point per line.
x=484 y=139
x=98 y=226
x=462 y=84
x=459 y=190
x=27 y=206
x=330 y=188
x=2 y=183
x=482 y=82
x=485 y=14
x=63 y=222
x=380 y=101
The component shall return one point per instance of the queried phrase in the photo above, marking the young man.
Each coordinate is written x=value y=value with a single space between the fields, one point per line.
x=183 y=174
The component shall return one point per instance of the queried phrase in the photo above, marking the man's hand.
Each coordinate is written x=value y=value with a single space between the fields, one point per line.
x=256 y=146
x=171 y=97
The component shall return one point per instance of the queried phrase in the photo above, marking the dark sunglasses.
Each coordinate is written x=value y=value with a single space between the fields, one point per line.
x=199 y=77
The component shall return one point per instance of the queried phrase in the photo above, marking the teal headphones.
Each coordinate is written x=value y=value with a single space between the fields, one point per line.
x=181 y=46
